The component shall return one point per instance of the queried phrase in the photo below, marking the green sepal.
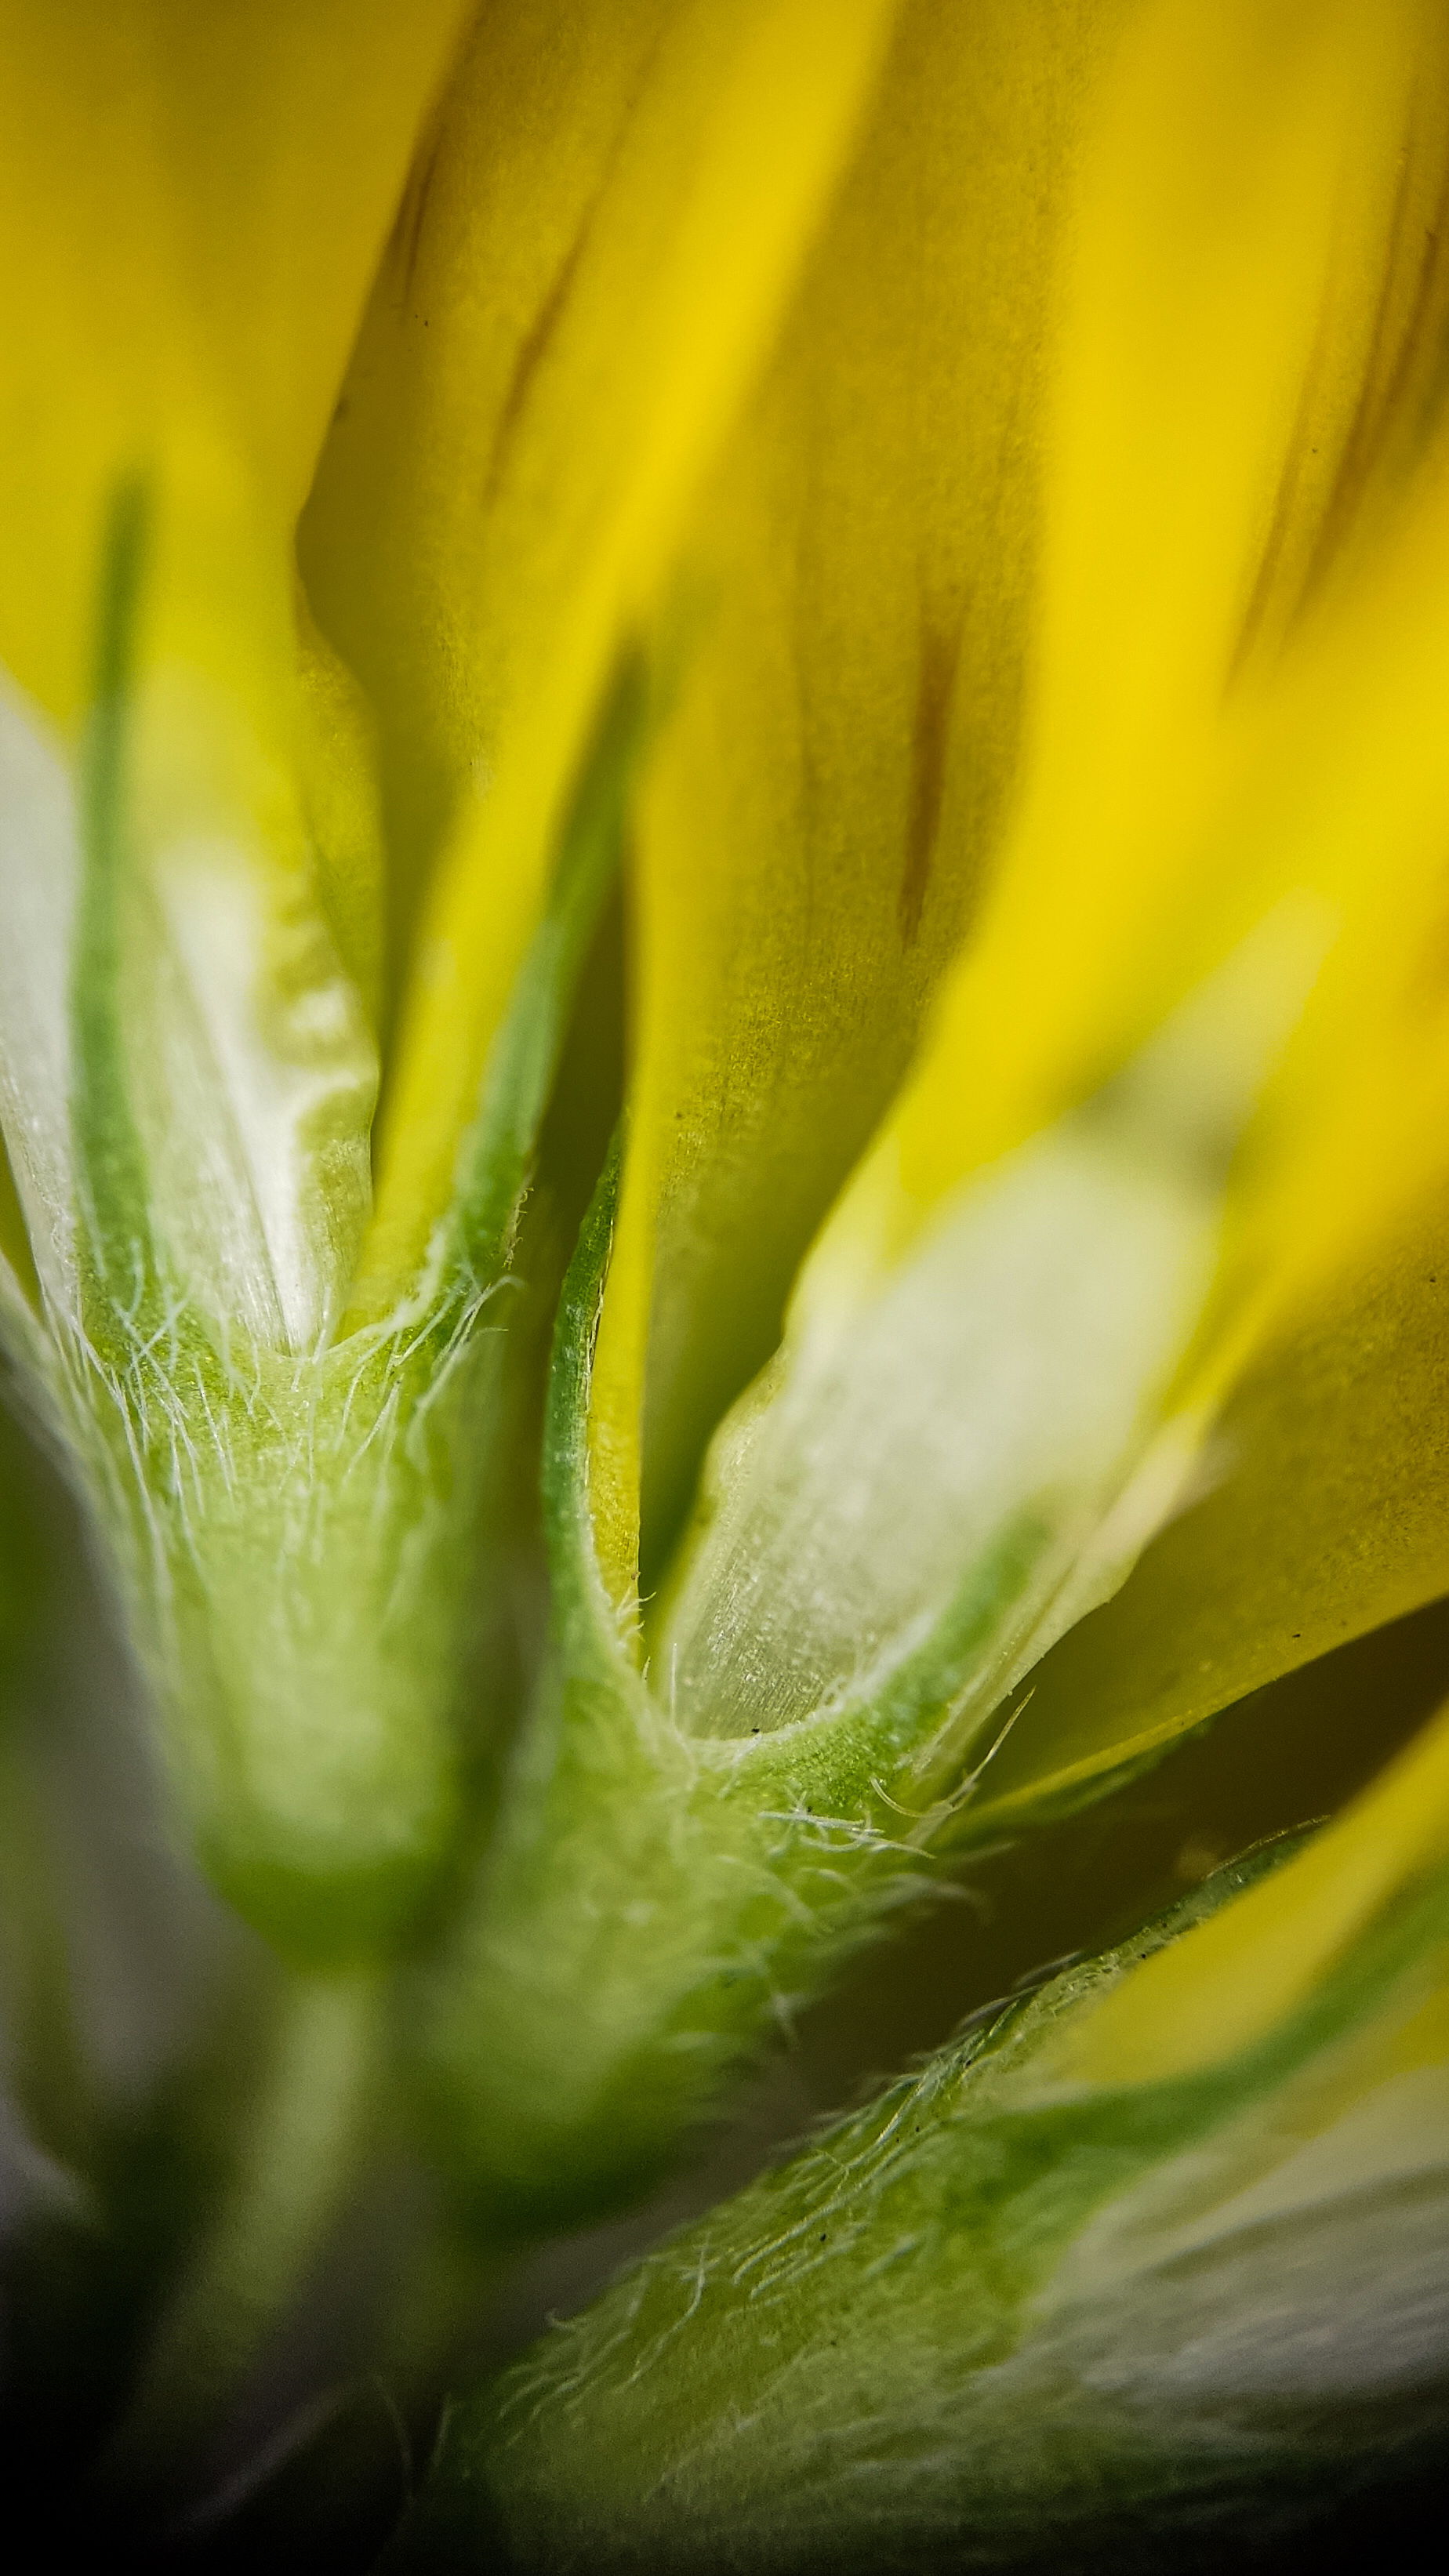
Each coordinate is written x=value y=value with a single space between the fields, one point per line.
x=878 y=2357
x=651 y=1905
x=296 y=1532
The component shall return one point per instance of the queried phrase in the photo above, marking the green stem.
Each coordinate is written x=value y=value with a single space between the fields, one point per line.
x=306 y=2140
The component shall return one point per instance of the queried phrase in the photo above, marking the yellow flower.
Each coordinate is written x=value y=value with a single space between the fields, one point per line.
x=950 y=509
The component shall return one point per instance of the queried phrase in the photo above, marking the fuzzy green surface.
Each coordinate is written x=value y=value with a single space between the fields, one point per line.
x=295 y=1533
x=881 y=2356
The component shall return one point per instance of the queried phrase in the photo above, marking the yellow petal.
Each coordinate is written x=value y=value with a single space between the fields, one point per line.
x=584 y=284
x=1225 y=1987
x=1252 y=268
x=1328 y=1514
x=814 y=824
x=195 y=206
x=194 y=201
x=1308 y=783
x=1345 y=801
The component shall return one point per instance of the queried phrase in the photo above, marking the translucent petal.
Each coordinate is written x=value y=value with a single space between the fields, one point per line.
x=1324 y=1514
x=1014 y=1366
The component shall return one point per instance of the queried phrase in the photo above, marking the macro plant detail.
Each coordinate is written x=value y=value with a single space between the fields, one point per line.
x=724 y=1066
